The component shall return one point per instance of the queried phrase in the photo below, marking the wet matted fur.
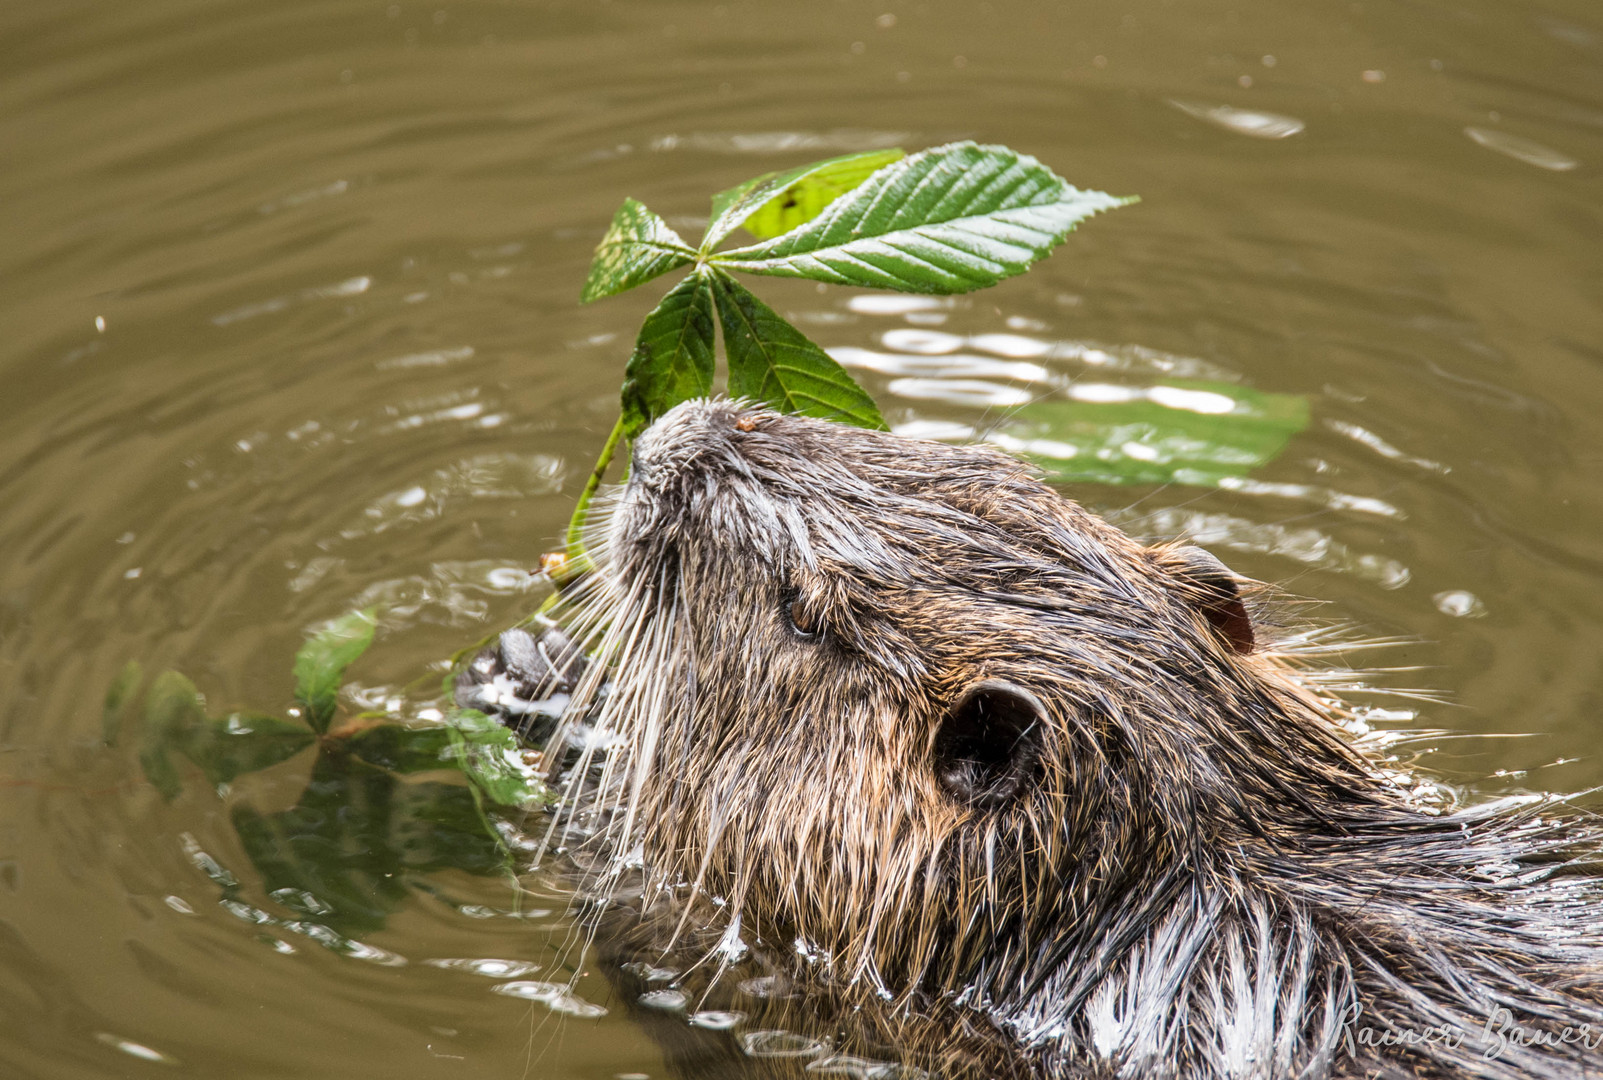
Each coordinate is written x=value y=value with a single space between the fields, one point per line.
x=975 y=749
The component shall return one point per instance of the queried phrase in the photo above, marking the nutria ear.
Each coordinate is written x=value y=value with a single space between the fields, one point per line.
x=987 y=745
x=1213 y=588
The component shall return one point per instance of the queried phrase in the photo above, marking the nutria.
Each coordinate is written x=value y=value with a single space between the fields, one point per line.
x=973 y=749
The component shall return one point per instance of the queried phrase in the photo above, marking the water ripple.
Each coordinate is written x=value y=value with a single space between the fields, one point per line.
x=491 y=968
x=558 y=997
x=1305 y=545
x=1249 y=122
x=349 y=287
x=1521 y=149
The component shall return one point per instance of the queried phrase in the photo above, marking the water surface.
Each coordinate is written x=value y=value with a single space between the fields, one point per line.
x=290 y=327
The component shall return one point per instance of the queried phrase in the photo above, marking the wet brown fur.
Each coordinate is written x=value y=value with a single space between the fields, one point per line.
x=1198 y=876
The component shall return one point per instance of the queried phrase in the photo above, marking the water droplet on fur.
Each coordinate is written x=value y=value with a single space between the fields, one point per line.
x=779 y=1044
x=764 y=986
x=649 y=973
x=666 y=1000
x=864 y=1068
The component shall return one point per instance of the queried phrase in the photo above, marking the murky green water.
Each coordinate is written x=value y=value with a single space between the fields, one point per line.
x=289 y=326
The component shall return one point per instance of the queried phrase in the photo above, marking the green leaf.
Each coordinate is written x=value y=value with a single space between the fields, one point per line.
x=118 y=694
x=673 y=357
x=321 y=663
x=229 y=746
x=173 y=710
x=777 y=202
x=1199 y=433
x=637 y=248
x=773 y=362
x=490 y=758
x=946 y=220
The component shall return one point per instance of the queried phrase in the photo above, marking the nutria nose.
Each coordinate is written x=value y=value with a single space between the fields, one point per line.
x=680 y=437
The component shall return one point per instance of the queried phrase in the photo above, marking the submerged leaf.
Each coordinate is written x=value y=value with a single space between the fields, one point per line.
x=173 y=710
x=638 y=246
x=777 y=202
x=946 y=220
x=673 y=357
x=773 y=362
x=321 y=662
x=1189 y=433
x=118 y=694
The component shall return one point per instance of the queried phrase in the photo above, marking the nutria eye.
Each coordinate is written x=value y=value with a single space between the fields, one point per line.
x=796 y=617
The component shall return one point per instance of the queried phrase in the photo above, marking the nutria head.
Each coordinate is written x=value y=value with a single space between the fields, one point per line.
x=905 y=703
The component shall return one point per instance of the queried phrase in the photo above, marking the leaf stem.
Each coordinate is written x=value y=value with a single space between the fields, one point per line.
x=581 y=511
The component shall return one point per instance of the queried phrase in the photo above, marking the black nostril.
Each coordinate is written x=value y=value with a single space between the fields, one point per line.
x=987 y=747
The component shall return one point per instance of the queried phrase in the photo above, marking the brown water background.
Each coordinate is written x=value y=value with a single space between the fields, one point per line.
x=288 y=325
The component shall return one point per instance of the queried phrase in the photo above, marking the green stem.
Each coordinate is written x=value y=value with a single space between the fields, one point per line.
x=575 y=545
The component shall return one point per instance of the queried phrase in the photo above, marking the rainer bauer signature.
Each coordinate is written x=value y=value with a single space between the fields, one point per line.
x=1494 y=1037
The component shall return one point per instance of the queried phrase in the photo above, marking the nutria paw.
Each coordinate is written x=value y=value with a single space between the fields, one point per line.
x=525 y=679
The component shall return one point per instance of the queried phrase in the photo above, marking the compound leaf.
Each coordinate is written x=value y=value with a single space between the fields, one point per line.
x=673 y=357
x=947 y=220
x=638 y=246
x=777 y=202
x=773 y=362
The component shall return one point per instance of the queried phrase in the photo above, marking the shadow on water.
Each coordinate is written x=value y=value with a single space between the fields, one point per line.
x=385 y=801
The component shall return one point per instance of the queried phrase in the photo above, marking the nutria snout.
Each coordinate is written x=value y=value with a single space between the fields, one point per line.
x=904 y=703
